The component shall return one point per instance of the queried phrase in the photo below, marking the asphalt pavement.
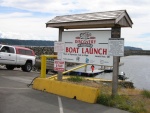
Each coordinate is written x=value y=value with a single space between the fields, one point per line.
x=16 y=97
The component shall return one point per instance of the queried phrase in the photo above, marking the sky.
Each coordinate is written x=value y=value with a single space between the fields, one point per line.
x=25 y=19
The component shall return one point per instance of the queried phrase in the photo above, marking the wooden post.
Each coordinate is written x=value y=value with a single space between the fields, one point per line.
x=66 y=65
x=85 y=68
x=115 y=33
x=59 y=77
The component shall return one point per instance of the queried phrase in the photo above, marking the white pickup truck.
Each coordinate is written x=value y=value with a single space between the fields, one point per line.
x=15 y=56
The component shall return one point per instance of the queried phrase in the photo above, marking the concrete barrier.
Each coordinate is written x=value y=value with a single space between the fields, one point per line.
x=79 y=92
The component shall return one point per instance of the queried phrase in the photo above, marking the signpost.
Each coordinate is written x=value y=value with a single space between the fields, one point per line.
x=90 y=46
x=59 y=65
x=61 y=29
x=115 y=33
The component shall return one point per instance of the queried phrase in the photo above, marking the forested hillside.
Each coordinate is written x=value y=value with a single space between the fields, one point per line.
x=41 y=43
x=27 y=42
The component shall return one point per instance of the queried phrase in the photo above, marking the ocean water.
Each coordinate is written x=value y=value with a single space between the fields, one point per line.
x=136 y=68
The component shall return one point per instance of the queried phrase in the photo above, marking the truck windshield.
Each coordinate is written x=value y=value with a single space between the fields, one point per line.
x=0 y=46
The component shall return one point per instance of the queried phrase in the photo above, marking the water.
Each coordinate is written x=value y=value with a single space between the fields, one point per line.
x=136 y=68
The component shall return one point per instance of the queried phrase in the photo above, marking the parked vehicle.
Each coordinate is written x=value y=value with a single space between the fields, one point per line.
x=15 y=56
x=49 y=65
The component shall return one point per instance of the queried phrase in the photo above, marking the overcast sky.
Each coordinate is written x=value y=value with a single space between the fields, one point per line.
x=25 y=19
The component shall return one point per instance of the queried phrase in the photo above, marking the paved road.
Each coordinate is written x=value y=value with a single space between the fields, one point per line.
x=16 y=97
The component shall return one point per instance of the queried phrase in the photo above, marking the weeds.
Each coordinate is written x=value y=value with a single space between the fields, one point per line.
x=146 y=93
x=75 y=79
x=132 y=100
x=121 y=102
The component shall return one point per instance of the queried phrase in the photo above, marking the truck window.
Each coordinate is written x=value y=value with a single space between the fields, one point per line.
x=21 y=51
x=5 y=49
x=28 y=52
x=25 y=52
x=11 y=50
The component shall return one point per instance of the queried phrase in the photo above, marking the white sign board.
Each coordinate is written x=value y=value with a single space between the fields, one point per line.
x=58 y=47
x=59 y=65
x=59 y=55
x=116 y=47
x=90 y=47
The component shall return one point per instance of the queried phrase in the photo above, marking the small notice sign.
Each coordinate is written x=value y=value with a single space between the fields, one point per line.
x=59 y=55
x=59 y=65
x=59 y=47
x=116 y=47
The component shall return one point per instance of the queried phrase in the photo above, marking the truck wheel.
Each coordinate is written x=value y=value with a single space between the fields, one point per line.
x=23 y=68
x=10 y=67
x=28 y=67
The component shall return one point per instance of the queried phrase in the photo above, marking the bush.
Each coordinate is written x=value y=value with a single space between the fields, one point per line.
x=104 y=99
x=121 y=102
x=75 y=79
x=117 y=101
x=146 y=93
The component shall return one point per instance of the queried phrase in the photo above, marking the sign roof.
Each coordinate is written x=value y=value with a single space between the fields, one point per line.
x=92 y=20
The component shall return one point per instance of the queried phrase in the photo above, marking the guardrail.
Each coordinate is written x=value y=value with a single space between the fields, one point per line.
x=43 y=64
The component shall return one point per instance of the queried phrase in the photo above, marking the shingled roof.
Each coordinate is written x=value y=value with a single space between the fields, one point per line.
x=92 y=20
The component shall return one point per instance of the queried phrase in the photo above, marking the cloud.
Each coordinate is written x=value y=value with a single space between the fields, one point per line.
x=28 y=36
x=15 y=15
x=61 y=6
x=28 y=19
x=52 y=6
x=20 y=27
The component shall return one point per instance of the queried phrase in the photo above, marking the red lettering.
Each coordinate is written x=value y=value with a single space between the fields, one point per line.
x=96 y=51
x=85 y=41
x=86 y=51
x=72 y=49
x=56 y=62
x=99 y=51
x=61 y=62
x=91 y=51
x=67 y=49
x=82 y=50
x=76 y=41
x=59 y=65
x=94 y=41
x=104 y=51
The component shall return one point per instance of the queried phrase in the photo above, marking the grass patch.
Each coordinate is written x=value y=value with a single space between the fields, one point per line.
x=75 y=79
x=146 y=93
x=129 y=99
x=122 y=102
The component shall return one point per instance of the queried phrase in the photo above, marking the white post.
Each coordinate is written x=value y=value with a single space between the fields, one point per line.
x=59 y=77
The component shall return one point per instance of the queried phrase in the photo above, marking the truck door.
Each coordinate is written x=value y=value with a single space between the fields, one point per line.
x=7 y=55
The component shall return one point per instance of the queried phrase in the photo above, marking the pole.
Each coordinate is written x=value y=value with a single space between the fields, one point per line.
x=115 y=33
x=59 y=77
x=43 y=66
x=115 y=76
